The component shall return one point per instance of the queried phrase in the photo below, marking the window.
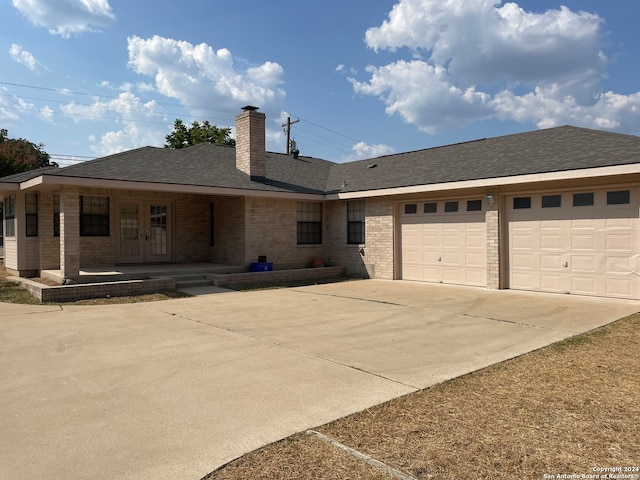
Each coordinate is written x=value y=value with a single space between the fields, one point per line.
x=31 y=214
x=56 y=215
x=521 y=202
x=582 y=199
x=474 y=205
x=551 y=201
x=430 y=207
x=355 y=221
x=94 y=216
x=10 y=216
x=450 y=206
x=621 y=197
x=411 y=208
x=309 y=223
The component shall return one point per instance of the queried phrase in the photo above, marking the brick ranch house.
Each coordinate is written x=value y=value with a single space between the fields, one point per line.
x=553 y=210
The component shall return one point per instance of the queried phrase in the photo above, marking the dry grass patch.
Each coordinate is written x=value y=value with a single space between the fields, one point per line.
x=564 y=409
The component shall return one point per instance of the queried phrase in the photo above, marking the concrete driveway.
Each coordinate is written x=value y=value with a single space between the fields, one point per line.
x=174 y=389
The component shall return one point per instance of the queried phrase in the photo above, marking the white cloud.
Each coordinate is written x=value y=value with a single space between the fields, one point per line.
x=46 y=113
x=362 y=150
x=480 y=59
x=198 y=75
x=136 y=118
x=25 y=58
x=10 y=105
x=340 y=68
x=67 y=17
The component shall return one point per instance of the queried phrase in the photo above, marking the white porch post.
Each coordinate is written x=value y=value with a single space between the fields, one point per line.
x=69 y=232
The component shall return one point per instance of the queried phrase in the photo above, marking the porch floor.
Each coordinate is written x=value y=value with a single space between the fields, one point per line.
x=135 y=272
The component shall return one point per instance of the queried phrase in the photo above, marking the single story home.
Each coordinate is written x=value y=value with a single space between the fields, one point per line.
x=554 y=210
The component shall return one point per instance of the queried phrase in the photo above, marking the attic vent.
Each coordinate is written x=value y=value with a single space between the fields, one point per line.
x=372 y=165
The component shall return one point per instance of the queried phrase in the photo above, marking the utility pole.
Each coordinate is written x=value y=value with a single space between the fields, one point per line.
x=287 y=127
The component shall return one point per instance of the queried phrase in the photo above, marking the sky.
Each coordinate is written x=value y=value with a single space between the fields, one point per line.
x=89 y=78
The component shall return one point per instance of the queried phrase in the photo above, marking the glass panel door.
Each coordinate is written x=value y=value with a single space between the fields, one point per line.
x=157 y=232
x=130 y=245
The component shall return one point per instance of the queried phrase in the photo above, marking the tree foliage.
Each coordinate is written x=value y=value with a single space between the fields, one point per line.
x=18 y=155
x=185 y=136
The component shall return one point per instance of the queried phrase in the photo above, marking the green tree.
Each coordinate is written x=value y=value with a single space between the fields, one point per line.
x=18 y=155
x=185 y=136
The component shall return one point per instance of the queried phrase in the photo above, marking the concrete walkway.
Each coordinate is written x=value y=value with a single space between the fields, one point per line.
x=174 y=389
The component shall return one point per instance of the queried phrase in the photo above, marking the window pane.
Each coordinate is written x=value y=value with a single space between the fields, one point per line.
x=521 y=202
x=431 y=207
x=31 y=214
x=474 y=205
x=582 y=199
x=622 y=197
x=355 y=222
x=309 y=225
x=94 y=216
x=9 y=216
x=411 y=208
x=551 y=201
x=450 y=206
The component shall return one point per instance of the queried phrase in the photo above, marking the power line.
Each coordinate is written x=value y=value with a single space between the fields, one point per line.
x=226 y=112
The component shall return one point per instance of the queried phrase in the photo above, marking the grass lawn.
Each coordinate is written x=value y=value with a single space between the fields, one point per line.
x=566 y=409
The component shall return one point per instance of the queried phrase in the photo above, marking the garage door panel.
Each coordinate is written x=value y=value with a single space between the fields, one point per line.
x=522 y=241
x=551 y=242
x=583 y=285
x=625 y=223
x=522 y=261
x=583 y=242
x=552 y=283
x=589 y=249
x=523 y=280
x=475 y=277
x=474 y=259
x=619 y=242
x=551 y=262
x=619 y=265
x=450 y=244
x=584 y=263
x=620 y=287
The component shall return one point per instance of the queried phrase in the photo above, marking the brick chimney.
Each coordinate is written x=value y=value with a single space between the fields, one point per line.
x=250 y=142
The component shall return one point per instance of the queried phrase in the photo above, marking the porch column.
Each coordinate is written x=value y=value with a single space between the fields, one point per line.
x=49 y=254
x=69 y=232
x=493 y=239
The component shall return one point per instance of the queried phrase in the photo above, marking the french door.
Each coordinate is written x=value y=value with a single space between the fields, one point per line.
x=145 y=232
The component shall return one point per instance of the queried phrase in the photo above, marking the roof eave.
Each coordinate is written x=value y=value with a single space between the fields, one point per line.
x=58 y=180
x=492 y=182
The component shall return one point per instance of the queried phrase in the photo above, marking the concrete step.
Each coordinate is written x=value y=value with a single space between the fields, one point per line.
x=196 y=282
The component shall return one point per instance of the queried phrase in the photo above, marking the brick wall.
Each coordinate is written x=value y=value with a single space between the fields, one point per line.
x=250 y=143
x=229 y=232
x=271 y=230
x=192 y=228
x=339 y=252
x=493 y=244
x=380 y=229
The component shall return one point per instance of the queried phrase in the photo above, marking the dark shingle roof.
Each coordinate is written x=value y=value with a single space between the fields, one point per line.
x=206 y=165
x=541 y=151
x=26 y=176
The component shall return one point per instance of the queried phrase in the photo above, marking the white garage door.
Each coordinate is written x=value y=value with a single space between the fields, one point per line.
x=575 y=242
x=444 y=242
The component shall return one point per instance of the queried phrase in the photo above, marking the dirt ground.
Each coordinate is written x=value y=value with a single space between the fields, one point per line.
x=568 y=409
